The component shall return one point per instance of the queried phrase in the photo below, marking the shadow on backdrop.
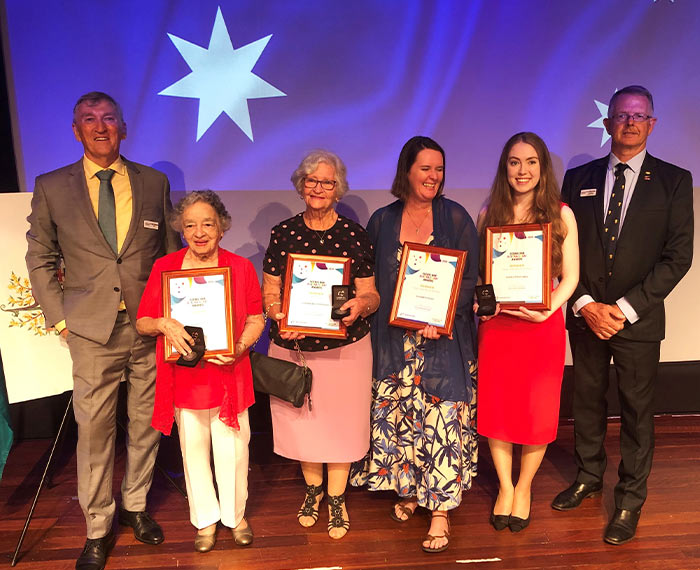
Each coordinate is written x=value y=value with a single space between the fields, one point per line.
x=578 y=160
x=174 y=174
x=355 y=208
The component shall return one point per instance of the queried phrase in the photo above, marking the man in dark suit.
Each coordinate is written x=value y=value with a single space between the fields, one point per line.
x=107 y=219
x=635 y=222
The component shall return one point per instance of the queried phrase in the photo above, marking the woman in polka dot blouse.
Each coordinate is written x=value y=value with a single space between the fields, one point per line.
x=336 y=431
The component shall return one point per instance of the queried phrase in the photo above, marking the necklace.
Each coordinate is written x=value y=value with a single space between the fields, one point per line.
x=413 y=221
x=320 y=233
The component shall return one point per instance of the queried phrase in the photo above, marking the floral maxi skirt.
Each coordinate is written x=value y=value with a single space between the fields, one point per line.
x=421 y=446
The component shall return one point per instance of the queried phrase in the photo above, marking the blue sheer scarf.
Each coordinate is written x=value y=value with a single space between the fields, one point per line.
x=446 y=371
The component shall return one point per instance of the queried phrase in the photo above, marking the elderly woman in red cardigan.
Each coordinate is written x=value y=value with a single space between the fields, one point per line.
x=210 y=401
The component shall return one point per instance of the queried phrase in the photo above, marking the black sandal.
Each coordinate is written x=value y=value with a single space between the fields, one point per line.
x=336 y=520
x=310 y=508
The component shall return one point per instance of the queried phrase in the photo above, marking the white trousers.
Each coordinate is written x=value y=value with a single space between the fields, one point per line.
x=200 y=431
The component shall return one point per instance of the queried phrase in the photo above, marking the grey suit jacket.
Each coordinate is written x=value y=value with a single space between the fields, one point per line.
x=654 y=250
x=63 y=224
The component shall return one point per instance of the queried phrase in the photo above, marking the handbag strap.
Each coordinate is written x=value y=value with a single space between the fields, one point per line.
x=304 y=365
x=301 y=355
x=296 y=345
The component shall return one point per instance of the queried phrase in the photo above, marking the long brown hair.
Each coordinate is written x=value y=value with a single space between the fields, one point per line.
x=546 y=206
x=401 y=187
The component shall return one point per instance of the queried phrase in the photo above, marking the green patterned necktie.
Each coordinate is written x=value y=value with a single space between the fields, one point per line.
x=106 y=211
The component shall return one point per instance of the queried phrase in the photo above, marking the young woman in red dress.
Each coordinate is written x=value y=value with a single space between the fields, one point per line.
x=521 y=352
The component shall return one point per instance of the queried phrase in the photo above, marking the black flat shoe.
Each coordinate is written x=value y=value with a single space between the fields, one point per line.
x=145 y=528
x=499 y=522
x=622 y=527
x=94 y=554
x=573 y=496
x=516 y=524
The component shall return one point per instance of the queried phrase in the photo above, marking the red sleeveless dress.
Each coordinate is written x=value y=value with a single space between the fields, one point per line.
x=519 y=381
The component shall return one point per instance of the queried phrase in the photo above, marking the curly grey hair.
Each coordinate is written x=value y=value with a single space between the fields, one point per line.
x=208 y=197
x=310 y=163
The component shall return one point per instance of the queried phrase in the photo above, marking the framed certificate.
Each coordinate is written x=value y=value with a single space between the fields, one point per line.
x=307 y=297
x=517 y=264
x=427 y=287
x=201 y=298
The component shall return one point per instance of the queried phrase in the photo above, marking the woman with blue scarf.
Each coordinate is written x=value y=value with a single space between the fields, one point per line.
x=424 y=442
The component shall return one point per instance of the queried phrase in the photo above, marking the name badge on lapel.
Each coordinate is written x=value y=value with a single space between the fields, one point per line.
x=149 y=225
x=586 y=192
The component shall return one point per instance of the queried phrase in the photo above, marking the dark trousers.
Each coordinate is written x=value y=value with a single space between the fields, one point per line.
x=636 y=364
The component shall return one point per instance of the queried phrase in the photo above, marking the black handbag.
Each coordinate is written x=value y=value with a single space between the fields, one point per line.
x=281 y=378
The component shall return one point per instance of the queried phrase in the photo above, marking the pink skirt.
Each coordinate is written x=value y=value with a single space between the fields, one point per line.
x=336 y=430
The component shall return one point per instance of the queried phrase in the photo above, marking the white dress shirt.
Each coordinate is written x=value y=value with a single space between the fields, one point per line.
x=631 y=175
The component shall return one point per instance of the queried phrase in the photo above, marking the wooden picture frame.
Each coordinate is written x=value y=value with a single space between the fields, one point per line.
x=518 y=265
x=201 y=297
x=427 y=287
x=306 y=298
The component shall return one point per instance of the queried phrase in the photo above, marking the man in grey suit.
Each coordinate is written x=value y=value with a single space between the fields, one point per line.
x=635 y=223
x=107 y=219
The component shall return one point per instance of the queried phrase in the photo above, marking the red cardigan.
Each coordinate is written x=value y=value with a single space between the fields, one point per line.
x=237 y=378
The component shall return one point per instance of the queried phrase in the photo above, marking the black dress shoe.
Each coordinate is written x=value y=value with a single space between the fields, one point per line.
x=145 y=528
x=94 y=554
x=499 y=522
x=622 y=526
x=571 y=498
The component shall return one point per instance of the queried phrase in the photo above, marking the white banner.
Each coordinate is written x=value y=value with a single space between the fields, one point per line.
x=36 y=362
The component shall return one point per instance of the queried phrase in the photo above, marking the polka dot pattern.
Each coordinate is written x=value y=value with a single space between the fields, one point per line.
x=345 y=239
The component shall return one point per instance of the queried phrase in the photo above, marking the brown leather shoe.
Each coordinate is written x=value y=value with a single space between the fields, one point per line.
x=622 y=526
x=244 y=536
x=429 y=537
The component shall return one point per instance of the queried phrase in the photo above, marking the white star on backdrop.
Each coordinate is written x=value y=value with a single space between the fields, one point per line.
x=222 y=78
x=598 y=123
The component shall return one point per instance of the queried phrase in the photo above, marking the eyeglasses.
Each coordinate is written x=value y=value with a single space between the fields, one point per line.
x=311 y=183
x=624 y=117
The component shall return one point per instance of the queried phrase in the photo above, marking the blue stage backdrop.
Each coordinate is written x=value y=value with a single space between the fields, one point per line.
x=229 y=94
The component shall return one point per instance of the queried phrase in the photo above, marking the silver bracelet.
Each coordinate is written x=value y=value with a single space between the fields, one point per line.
x=267 y=309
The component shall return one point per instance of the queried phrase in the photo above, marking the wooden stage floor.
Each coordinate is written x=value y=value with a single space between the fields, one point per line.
x=668 y=536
